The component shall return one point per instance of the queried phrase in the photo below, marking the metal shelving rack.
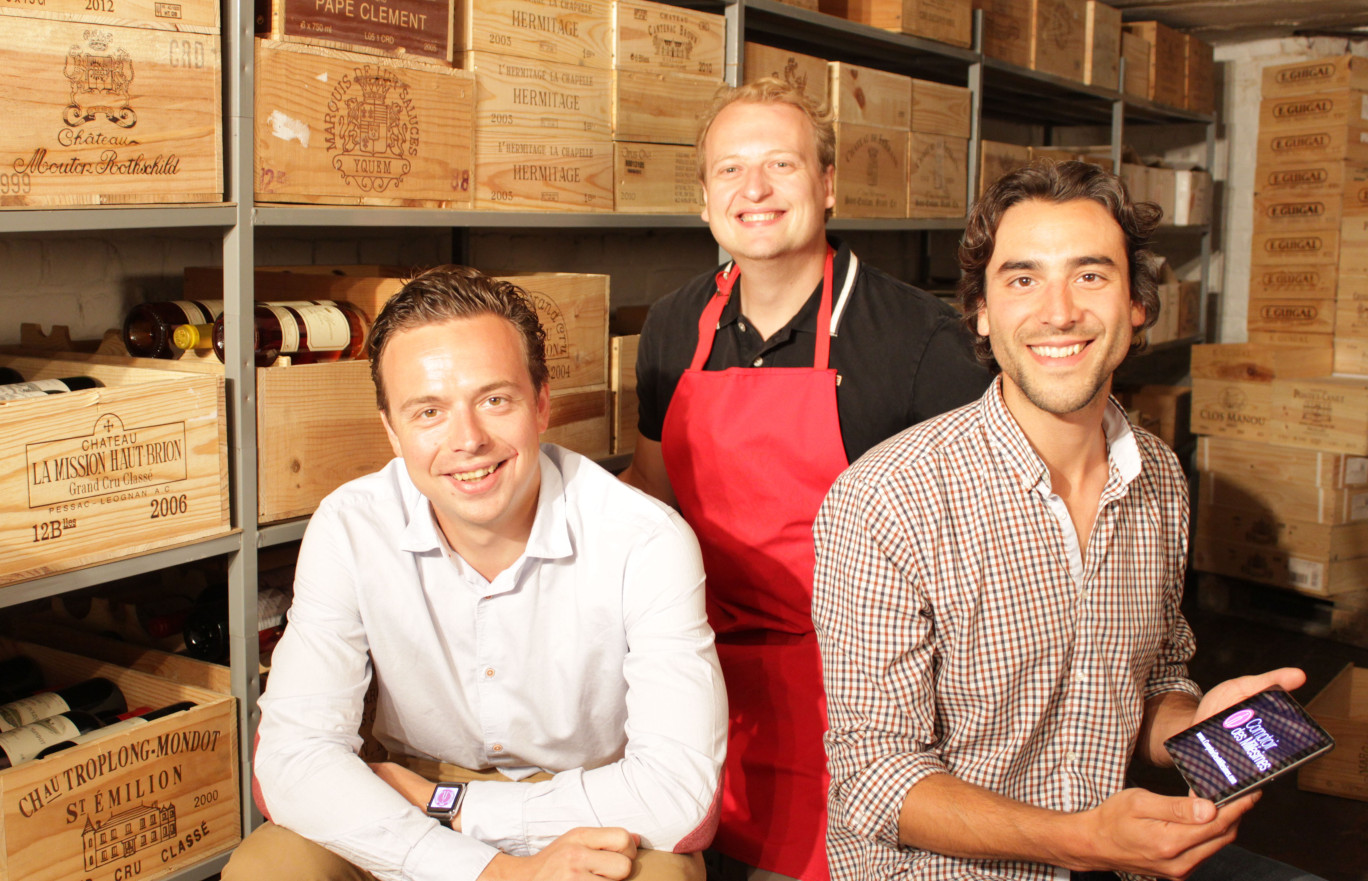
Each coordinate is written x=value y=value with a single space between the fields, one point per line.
x=996 y=88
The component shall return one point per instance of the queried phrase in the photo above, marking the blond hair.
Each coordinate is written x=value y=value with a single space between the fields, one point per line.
x=773 y=90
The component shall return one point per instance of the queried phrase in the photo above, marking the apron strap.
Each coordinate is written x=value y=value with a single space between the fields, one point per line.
x=707 y=322
x=822 y=357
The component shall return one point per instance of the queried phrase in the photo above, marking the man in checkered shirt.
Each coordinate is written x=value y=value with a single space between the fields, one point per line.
x=997 y=589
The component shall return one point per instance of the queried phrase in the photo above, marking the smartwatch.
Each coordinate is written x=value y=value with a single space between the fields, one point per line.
x=445 y=803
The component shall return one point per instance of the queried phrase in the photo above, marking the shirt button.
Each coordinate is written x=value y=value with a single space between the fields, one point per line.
x=741 y=325
x=496 y=748
x=1071 y=756
x=489 y=672
x=758 y=362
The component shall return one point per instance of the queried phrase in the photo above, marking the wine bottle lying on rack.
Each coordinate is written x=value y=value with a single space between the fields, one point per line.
x=148 y=331
x=308 y=331
x=40 y=387
x=113 y=728
x=206 y=627
x=28 y=741
x=99 y=696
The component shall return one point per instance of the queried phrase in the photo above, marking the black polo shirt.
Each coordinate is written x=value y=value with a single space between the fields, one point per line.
x=901 y=354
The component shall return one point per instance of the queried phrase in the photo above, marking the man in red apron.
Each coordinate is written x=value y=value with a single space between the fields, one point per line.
x=850 y=356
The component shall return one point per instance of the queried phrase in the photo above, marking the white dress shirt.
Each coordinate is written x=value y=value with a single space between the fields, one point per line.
x=589 y=657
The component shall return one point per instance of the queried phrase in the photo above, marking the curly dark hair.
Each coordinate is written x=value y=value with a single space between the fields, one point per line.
x=446 y=293
x=1058 y=182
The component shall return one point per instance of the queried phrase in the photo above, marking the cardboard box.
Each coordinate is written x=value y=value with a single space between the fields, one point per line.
x=1200 y=79
x=655 y=179
x=868 y=96
x=1310 y=282
x=661 y=107
x=578 y=33
x=187 y=16
x=1342 y=709
x=1212 y=553
x=945 y=21
x=809 y=74
x=106 y=115
x=656 y=37
x=106 y=473
x=1136 y=51
x=997 y=159
x=1253 y=463
x=1293 y=315
x=871 y=171
x=414 y=149
x=1321 y=110
x=941 y=109
x=145 y=803
x=938 y=176
x=1326 y=413
x=406 y=28
x=1102 y=46
x=1059 y=37
x=1168 y=61
x=624 y=387
x=1007 y=26
x=1315 y=76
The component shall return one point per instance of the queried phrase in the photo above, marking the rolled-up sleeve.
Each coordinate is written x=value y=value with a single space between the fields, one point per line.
x=1170 y=513
x=877 y=660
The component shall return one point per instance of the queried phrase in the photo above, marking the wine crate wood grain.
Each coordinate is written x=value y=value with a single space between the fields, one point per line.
x=1315 y=76
x=1280 y=568
x=1289 y=501
x=107 y=473
x=658 y=37
x=655 y=179
x=945 y=21
x=1231 y=408
x=1312 y=281
x=189 y=16
x=1291 y=316
x=154 y=662
x=1325 y=413
x=407 y=28
x=104 y=115
x=937 y=175
x=806 y=72
x=1351 y=354
x=624 y=387
x=1199 y=90
x=1277 y=249
x=144 y=803
x=1102 y=46
x=871 y=171
x=576 y=32
x=660 y=107
x=1315 y=180
x=1300 y=538
x=1290 y=211
x=1250 y=362
x=1256 y=462
x=582 y=421
x=997 y=159
x=1059 y=37
x=869 y=96
x=1322 y=110
x=940 y=109
x=1342 y=709
x=1007 y=30
x=346 y=129
x=1168 y=61
x=1137 y=51
x=1276 y=148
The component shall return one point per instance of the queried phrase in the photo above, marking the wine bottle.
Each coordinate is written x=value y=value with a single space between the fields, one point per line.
x=206 y=627
x=40 y=387
x=308 y=331
x=148 y=329
x=113 y=728
x=9 y=376
x=27 y=741
x=97 y=695
x=20 y=676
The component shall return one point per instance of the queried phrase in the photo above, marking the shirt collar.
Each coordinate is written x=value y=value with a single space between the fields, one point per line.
x=805 y=321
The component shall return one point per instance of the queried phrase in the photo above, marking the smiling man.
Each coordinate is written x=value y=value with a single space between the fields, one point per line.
x=998 y=589
x=536 y=631
x=758 y=383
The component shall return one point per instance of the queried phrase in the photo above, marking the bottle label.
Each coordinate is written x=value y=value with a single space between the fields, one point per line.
x=199 y=311
x=327 y=327
x=30 y=709
x=289 y=328
x=36 y=389
x=22 y=744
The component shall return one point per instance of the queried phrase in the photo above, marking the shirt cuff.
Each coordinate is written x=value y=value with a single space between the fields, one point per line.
x=444 y=855
x=493 y=813
x=871 y=803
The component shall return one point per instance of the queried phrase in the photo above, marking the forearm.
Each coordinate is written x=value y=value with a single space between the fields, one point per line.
x=1165 y=715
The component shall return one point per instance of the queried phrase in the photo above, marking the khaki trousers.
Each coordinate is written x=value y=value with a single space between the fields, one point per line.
x=273 y=851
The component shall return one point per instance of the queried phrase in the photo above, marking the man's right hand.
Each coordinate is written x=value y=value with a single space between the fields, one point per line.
x=1144 y=833
x=580 y=853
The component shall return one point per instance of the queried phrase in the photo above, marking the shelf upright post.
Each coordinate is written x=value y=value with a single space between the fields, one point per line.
x=1206 y=232
x=1118 y=125
x=975 y=84
x=238 y=18
x=734 y=64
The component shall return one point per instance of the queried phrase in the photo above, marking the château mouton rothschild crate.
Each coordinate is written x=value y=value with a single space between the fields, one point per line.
x=144 y=803
x=95 y=475
x=409 y=28
x=189 y=16
x=341 y=128
x=99 y=114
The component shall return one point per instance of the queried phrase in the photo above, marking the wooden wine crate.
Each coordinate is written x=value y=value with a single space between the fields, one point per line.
x=940 y=109
x=1136 y=50
x=654 y=37
x=1342 y=709
x=95 y=475
x=102 y=115
x=1301 y=539
x=868 y=96
x=624 y=387
x=575 y=32
x=1326 y=413
x=1199 y=92
x=144 y=803
x=945 y=21
x=1059 y=37
x=1351 y=354
x=997 y=159
x=1249 y=362
x=1286 y=500
x=809 y=74
x=188 y=16
x=660 y=107
x=1322 y=110
x=1168 y=411
x=656 y=179
x=1168 y=61
x=1323 y=180
x=1292 y=212
x=543 y=173
x=1315 y=76
x=405 y=28
x=1280 y=249
x=871 y=171
x=1280 y=568
x=1291 y=315
x=346 y=129
x=1231 y=408
x=1351 y=308
x=1102 y=46
x=1312 y=281
x=1007 y=30
x=937 y=175
x=1250 y=462
x=1335 y=143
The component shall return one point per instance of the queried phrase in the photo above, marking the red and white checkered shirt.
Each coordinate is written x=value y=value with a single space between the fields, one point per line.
x=962 y=632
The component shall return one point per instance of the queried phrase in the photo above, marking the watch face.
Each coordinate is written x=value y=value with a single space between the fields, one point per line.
x=446 y=795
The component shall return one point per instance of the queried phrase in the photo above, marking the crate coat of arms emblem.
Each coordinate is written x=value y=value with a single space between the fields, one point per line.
x=101 y=78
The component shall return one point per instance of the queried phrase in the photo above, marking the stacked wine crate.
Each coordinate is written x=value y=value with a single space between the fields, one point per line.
x=873 y=114
x=809 y=74
x=1050 y=36
x=358 y=104
x=78 y=131
x=667 y=68
x=938 y=150
x=945 y=21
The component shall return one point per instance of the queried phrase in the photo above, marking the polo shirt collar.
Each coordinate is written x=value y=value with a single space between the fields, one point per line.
x=805 y=321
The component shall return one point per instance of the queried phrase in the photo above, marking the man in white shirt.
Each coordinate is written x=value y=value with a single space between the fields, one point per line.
x=523 y=614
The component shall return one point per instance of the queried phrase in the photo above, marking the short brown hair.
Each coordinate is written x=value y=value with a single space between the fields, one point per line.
x=773 y=90
x=447 y=293
x=1058 y=182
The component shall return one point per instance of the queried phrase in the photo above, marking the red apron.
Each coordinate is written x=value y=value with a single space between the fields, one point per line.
x=750 y=455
